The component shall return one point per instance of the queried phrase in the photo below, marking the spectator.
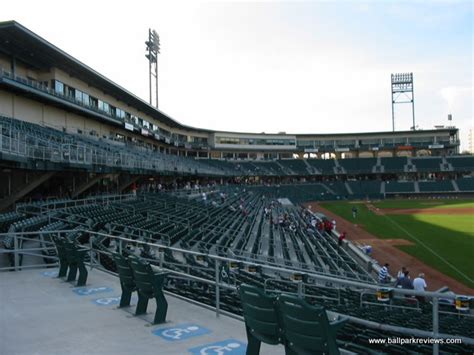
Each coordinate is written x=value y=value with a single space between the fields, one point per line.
x=342 y=236
x=383 y=274
x=321 y=226
x=419 y=284
x=401 y=273
x=333 y=225
x=404 y=281
x=328 y=226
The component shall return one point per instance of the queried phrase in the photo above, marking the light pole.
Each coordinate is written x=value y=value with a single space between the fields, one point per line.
x=153 y=48
x=403 y=93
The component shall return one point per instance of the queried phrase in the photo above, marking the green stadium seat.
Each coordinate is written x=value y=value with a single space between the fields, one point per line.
x=462 y=163
x=399 y=187
x=127 y=281
x=465 y=184
x=75 y=258
x=306 y=328
x=261 y=318
x=62 y=255
x=150 y=285
x=427 y=164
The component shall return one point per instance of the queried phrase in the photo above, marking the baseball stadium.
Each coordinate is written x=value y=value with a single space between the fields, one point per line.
x=124 y=230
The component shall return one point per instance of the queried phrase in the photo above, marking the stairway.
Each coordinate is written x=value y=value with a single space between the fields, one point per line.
x=338 y=169
x=285 y=169
x=455 y=185
x=311 y=170
x=445 y=166
x=348 y=188
x=409 y=167
x=417 y=187
x=378 y=167
x=328 y=189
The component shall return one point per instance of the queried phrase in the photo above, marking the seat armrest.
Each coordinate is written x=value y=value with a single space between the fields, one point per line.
x=156 y=269
x=81 y=251
x=338 y=324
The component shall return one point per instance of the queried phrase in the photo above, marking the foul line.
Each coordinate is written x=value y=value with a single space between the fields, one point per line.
x=431 y=250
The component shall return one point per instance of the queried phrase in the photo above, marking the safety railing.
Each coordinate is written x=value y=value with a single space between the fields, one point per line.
x=16 y=142
x=217 y=266
x=48 y=206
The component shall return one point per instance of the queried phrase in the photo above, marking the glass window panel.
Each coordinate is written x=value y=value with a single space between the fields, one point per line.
x=59 y=87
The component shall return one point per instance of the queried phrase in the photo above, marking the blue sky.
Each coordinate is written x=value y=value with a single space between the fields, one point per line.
x=272 y=66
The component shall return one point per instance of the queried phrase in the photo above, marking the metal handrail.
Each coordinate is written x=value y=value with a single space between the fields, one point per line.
x=83 y=152
x=220 y=260
x=315 y=276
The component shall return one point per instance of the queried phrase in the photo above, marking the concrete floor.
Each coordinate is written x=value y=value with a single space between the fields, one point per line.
x=40 y=314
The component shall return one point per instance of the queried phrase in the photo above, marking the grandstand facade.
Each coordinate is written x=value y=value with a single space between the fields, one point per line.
x=62 y=120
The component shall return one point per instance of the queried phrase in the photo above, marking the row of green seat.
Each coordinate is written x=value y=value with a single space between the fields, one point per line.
x=287 y=320
x=138 y=275
x=71 y=258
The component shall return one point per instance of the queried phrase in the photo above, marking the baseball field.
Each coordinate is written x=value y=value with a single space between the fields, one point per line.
x=440 y=233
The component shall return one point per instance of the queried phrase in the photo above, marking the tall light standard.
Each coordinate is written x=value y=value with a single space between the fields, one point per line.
x=403 y=93
x=153 y=48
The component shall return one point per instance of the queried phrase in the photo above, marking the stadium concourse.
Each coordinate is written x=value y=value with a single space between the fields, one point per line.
x=105 y=201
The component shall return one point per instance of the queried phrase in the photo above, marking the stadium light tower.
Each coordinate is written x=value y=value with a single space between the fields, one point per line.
x=402 y=93
x=153 y=48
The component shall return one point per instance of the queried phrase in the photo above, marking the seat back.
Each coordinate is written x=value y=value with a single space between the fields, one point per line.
x=59 y=242
x=143 y=275
x=306 y=327
x=260 y=314
x=124 y=270
x=70 y=249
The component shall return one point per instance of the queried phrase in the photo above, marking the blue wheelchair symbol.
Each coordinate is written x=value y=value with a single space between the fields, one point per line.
x=106 y=301
x=86 y=291
x=226 y=347
x=50 y=273
x=181 y=332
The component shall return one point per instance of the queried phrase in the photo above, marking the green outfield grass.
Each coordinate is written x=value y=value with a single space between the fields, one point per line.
x=425 y=204
x=445 y=242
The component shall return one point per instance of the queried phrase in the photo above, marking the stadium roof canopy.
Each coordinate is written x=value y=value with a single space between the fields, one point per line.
x=19 y=42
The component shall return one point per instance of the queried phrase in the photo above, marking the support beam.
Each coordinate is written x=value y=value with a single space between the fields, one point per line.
x=88 y=184
x=128 y=180
x=25 y=190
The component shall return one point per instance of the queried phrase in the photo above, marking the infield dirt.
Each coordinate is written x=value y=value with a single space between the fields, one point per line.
x=385 y=250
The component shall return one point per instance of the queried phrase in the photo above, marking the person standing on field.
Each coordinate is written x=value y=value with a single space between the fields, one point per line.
x=354 y=212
